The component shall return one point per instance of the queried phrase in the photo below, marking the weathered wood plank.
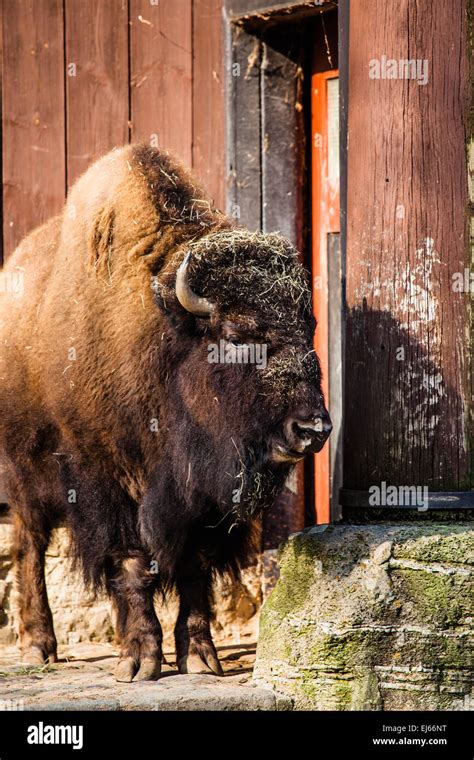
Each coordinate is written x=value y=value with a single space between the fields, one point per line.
x=209 y=98
x=161 y=75
x=33 y=115
x=97 y=90
x=267 y=10
x=335 y=331
x=407 y=358
x=244 y=140
x=282 y=142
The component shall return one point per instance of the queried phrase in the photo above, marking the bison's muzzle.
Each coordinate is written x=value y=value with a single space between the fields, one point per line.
x=303 y=434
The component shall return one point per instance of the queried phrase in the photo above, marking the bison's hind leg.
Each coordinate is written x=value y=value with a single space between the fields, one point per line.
x=36 y=633
x=132 y=588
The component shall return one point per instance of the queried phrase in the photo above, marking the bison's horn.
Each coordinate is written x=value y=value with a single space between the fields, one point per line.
x=187 y=298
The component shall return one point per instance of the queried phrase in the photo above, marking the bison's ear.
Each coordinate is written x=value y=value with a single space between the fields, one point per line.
x=165 y=299
x=100 y=238
x=163 y=296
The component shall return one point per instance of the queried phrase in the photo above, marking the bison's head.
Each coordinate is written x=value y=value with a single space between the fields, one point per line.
x=244 y=381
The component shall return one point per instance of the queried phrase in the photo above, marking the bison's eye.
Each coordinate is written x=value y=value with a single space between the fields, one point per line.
x=237 y=333
x=234 y=340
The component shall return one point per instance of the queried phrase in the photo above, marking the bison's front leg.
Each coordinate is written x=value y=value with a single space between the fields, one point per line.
x=195 y=650
x=138 y=628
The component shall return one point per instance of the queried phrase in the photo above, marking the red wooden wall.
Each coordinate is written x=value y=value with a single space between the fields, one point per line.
x=81 y=76
x=408 y=355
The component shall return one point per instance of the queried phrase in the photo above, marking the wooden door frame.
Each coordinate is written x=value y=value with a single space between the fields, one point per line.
x=268 y=172
x=325 y=220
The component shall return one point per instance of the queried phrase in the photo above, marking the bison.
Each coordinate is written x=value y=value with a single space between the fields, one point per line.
x=115 y=422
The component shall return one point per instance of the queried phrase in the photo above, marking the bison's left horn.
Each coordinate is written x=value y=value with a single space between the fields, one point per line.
x=187 y=298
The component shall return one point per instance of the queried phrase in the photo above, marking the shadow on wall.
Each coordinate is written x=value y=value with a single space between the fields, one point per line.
x=404 y=423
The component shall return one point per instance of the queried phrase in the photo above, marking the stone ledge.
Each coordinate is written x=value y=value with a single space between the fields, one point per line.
x=372 y=617
x=83 y=680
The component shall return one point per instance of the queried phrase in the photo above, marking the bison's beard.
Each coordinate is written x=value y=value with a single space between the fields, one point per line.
x=205 y=493
x=223 y=473
x=255 y=484
x=234 y=474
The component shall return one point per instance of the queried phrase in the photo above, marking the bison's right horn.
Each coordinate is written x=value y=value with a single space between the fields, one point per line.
x=193 y=303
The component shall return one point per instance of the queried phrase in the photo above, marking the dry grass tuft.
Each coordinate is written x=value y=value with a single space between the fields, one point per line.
x=262 y=272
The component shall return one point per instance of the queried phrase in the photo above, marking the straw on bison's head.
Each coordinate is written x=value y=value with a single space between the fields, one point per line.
x=244 y=400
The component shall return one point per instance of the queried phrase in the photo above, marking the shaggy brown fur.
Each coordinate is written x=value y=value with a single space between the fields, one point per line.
x=113 y=420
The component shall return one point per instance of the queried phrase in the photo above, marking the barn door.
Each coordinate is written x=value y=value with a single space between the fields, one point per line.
x=327 y=278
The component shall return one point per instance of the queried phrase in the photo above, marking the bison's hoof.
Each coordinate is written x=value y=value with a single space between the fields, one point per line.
x=128 y=670
x=207 y=662
x=36 y=655
x=150 y=669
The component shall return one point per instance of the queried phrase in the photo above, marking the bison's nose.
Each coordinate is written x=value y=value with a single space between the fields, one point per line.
x=308 y=433
x=303 y=433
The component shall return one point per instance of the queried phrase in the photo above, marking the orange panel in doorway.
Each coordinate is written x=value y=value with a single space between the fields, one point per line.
x=325 y=220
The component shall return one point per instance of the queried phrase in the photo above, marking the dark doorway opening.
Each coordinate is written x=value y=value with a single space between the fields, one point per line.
x=272 y=54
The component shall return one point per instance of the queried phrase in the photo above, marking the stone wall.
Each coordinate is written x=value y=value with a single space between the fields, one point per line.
x=372 y=617
x=79 y=617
